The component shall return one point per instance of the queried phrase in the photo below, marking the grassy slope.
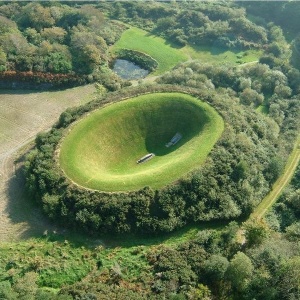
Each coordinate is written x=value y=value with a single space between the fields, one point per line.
x=102 y=155
x=140 y=40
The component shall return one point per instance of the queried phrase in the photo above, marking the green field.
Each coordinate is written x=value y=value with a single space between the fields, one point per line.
x=101 y=150
x=140 y=40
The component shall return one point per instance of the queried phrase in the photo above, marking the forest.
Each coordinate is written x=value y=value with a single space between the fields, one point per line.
x=228 y=255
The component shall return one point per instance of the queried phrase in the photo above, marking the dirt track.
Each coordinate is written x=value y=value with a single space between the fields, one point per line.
x=22 y=116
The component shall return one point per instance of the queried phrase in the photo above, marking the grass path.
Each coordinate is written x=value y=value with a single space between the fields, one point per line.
x=280 y=184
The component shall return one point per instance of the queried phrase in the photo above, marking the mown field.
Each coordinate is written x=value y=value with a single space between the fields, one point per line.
x=101 y=150
x=140 y=40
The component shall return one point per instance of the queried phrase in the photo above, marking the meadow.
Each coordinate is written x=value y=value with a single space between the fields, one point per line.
x=101 y=150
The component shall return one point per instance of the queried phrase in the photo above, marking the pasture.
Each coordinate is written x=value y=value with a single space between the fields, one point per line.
x=101 y=150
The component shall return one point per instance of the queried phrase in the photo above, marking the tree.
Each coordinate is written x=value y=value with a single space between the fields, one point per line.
x=2 y=60
x=256 y=231
x=32 y=36
x=293 y=231
x=26 y=286
x=274 y=169
x=201 y=292
x=54 y=34
x=6 y=291
x=239 y=271
x=36 y=16
x=289 y=279
x=7 y=25
x=214 y=274
x=251 y=97
x=59 y=62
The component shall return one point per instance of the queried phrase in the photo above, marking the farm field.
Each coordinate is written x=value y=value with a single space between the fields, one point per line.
x=23 y=115
x=140 y=40
x=101 y=150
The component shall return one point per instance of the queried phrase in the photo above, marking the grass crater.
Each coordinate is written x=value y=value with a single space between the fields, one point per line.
x=101 y=150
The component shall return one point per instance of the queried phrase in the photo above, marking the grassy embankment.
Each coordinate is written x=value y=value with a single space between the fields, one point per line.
x=101 y=150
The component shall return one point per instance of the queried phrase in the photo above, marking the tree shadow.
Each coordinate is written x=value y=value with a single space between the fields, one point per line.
x=22 y=209
x=166 y=41
x=156 y=143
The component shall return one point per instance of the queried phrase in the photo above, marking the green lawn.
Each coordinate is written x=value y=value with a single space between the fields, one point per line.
x=101 y=150
x=158 y=48
x=213 y=54
x=168 y=55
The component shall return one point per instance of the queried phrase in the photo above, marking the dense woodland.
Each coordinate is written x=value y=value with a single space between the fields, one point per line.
x=73 y=39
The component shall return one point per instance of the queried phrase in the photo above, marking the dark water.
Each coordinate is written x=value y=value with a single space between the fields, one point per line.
x=128 y=70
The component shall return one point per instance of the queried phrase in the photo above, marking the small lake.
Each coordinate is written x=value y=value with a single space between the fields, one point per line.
x=128 y=70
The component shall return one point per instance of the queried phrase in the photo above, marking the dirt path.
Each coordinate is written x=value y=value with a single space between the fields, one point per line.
x=280 y=184
x=22 y=116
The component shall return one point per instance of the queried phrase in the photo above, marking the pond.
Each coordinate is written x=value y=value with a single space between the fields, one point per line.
x=128 y=70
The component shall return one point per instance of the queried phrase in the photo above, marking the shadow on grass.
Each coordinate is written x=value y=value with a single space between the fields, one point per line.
x=215 y=50
x=157 y=144
x=167 y=42
x=22 y=209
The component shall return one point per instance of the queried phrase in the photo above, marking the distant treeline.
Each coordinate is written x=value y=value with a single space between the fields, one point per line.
x=56 y=38
x=74 y=38
x=195 y=23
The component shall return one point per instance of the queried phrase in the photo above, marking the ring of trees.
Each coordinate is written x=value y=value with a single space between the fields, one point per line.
x=143 y=60
x=225 y=187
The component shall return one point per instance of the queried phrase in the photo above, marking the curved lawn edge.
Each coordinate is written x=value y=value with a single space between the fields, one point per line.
x=198 y=152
